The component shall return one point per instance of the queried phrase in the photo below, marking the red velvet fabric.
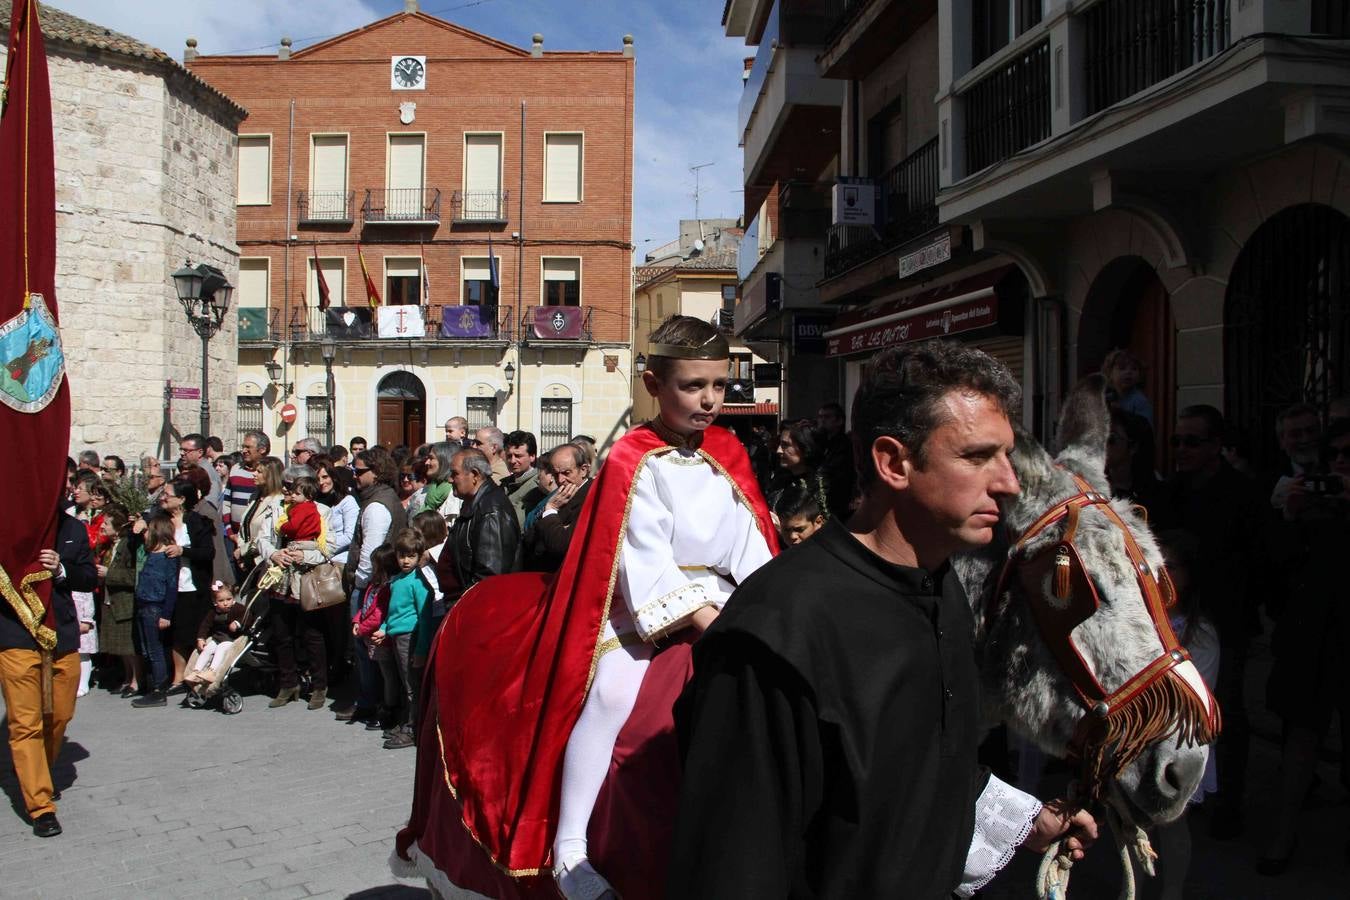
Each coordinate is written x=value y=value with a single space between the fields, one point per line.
x=505 y=684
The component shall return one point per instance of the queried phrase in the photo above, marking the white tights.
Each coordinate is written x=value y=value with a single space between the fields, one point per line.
x=618 y=676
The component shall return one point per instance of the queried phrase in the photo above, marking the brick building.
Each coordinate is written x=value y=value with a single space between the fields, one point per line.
x=400 y=144
x=144 y=179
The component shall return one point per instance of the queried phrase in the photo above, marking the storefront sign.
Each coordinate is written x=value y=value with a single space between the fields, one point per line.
x=854 y=203
x=808 y=333
x=966 y=316
x=940 y=251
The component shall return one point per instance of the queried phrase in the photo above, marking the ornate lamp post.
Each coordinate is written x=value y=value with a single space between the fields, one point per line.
x=329 y=350
x=205 y=294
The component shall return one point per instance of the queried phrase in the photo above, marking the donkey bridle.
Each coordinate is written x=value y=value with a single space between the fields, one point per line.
x=1057 y=622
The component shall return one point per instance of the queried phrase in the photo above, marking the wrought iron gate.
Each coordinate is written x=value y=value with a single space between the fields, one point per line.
x=248 y=417
x=555 y=422
x=1286 y=328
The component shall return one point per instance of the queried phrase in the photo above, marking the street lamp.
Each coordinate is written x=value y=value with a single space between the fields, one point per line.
x=510 y=373
x=205 y=294
x=640 y=364
x=329 y=350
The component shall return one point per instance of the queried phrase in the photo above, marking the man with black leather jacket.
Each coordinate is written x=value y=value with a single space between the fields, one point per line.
x=485 y=538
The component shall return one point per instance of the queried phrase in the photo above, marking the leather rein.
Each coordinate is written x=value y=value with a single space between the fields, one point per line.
x=1110 y=722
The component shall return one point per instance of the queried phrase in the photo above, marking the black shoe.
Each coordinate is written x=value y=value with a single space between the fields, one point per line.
x=179 y=688
x=344 y=713
x=46 y=825
x=398 y=740
x=373 y=725
x=128 y=691
x=154 y=698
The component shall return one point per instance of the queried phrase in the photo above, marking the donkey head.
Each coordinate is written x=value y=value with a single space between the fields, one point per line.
x=1152 y=753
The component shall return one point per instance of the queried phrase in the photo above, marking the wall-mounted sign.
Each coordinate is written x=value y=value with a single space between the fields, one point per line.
x=767 y=374
x=808 y=333
x=966 y=316
x=937 y=252
x=288 y=413
x=854 y=203
x=186 y=393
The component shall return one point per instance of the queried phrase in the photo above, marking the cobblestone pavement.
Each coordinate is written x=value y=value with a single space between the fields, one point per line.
x=179 y=802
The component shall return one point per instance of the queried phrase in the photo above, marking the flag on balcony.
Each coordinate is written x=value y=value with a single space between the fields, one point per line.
x=400 y=322
x=494 y=276
x=34 y=395
x=426 y=278
x=372 y=295
x=468 y=321
x=322 y=282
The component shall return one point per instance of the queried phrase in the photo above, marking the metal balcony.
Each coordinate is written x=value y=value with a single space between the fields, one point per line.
x=441 y=323
x=402 y=206
x=1009 y=109
x=908 y=208
x=556 y=325
x=324 y=207
x=479 y=207
x=259 y=326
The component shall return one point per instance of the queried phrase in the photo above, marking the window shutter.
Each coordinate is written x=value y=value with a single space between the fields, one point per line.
x=252 y=283
x=405 y=161
x=330 y=164
x=476 y=269
x=482 y=162
x=403 y=267
x=561 y=269
x=255 y=163
x=562 y=168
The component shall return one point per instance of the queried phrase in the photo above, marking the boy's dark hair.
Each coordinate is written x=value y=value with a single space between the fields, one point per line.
x=410 y=540
x=431 y=525
x=679 y=331
x=159 y=531
x=797 y=500
x=903 y=387
x=307 y=486
x=383 y=563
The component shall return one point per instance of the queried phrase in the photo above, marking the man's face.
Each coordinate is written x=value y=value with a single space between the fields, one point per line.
x=301 y=456
x=249 y=452
x=191 y=453
x=364 y=476
x=798 y=528
x=1196 y=449
x=829 y=420
x=1299 y=438
x=691 y=394
x=566 y=470
x=154 y=476
x=480 y=442
x=518 y=459
x=357 y=447
x=464 y=481
x=109 y=471
x=966 y=472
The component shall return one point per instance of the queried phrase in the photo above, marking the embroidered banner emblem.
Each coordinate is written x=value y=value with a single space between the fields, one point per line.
x=34 y=364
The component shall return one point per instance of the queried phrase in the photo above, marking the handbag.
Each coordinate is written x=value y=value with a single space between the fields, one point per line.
x=321 y=587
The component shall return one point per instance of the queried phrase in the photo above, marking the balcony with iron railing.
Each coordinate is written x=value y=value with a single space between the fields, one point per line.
x=556 y=325
x=402 y=206
x=324 y=207
x=479 y=207
x=259 y=326
x=907 y=207
x=1009 y=108
x=435 y=322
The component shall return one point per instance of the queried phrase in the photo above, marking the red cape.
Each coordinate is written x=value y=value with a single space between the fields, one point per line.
x=505 y=684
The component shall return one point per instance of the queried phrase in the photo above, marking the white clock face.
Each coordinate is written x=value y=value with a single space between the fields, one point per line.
x=409 y=73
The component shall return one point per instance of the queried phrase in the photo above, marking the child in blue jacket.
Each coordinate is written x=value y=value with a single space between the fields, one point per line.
x=156 y=594
x=406 y=630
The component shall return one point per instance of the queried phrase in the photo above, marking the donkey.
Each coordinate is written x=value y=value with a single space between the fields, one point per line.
x=1145 y=753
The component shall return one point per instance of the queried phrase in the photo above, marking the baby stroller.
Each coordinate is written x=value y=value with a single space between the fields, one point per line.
x=247 y=658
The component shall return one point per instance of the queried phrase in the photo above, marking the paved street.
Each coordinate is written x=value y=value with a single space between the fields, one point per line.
x=191 y=803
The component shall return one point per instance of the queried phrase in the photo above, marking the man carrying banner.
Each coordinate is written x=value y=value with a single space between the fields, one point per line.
x=44 y=555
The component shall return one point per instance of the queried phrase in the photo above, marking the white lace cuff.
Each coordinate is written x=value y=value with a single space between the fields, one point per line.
x=1003 y=819
x=669 y=611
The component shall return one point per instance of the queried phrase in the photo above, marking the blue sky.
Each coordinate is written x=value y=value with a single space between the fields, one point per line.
x=688 y=71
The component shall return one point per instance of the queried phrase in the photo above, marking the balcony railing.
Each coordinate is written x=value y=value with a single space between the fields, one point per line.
x=402 y=206
x=1009 y=109
x=259 y=325
x=1131 y=45
x=319 y=207
x=440 y=322
x=908 y=208
x=564 y=324
x=840 y=14
x=479 y=206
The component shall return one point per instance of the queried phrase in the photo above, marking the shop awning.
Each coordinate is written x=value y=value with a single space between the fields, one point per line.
x=749 y=409
x=963 y=305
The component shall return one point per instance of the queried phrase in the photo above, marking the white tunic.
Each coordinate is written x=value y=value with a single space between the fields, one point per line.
x=690 y=539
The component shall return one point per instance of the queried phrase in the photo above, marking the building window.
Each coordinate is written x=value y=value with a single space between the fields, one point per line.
x=478 y=290
x=562 y=281
x=255 y=170
x=728 y=298
x=403 y=281
x=407 y=170
x=481 y=412
x=248 y=417
x=741 y=385
x=483 y=173
x=253 y=283
x=555 y=422
x=328 y=179
x=562 y=168
x=319 y=419
x=334 y=278
x=994 y=24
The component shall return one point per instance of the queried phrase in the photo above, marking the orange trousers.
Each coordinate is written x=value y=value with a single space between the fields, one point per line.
x=35 y=739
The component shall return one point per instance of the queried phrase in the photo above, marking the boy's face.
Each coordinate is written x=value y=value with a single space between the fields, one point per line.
x=690 y=395
x=799 y=528
x=407 y=561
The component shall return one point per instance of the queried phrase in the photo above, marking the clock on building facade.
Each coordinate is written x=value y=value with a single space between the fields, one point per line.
x=408 y=73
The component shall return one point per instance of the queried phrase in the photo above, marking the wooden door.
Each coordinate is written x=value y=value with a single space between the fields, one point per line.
x=389 y=422
x=414 y=423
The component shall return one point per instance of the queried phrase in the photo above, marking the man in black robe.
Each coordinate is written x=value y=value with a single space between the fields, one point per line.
x=830 y=730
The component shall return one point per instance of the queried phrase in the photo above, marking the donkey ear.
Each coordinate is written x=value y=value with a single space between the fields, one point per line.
x=1040 y=482
x=1084 y=426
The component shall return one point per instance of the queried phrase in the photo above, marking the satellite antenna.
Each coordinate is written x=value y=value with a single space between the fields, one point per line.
x=697 y=192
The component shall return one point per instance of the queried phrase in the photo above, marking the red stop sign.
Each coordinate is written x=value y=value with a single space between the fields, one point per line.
x=288 y=413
